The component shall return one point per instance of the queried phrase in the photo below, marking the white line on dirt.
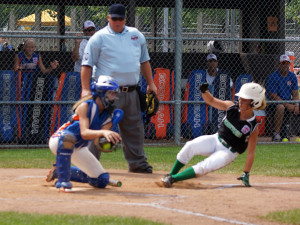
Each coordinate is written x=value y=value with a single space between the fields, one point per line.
x=223 y=186
x=154 y=205
x=25 y=177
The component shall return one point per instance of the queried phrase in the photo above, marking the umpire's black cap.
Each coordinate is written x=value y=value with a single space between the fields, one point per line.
x=117 y=10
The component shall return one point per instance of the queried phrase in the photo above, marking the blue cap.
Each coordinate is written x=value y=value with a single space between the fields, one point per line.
x=117 y=10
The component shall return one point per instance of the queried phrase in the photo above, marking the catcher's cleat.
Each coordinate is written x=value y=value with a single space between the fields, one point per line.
x=167 y=181
x=64 y=186
x=52 y=174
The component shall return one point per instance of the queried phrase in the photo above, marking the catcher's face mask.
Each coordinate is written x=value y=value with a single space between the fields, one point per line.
x=109 y=98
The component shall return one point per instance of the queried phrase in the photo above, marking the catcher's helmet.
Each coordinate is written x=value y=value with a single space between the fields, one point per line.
x=152 y=106
x=102 y=86
x=214 y=46
x=252 y=91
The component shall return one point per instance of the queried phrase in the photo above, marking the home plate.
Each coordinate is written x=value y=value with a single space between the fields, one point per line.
x=74 y=189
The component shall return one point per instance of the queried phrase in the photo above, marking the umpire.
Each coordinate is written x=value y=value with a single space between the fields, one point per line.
x=121 y=52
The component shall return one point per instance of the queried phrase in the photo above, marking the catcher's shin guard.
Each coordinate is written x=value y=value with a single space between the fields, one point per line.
x=101 y=181
x=78 y=176
x=63 y=158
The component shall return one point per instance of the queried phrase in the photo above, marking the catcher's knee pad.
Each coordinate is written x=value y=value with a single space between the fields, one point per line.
x=67 y=140
x=63 y=159
x=101 y=181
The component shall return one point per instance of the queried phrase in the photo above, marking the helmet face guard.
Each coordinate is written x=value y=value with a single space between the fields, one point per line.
x=106 y=89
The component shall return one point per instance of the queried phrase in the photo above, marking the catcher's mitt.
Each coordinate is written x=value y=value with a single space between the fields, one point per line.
x=152 y=106
x=104 y=146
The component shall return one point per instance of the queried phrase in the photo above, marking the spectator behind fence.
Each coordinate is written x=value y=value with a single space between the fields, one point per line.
x=4 y=46
x=282 y=85
x=121 y=52
x=217 y=79
x=30 y=61
x=89 y=29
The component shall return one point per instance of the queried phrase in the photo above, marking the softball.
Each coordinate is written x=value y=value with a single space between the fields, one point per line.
x=106 y=146
x=285 y=140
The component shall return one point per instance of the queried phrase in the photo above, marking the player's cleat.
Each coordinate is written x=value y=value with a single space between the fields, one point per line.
x=167 y=181
x=64 y=186
x=52 y=174
x=297 y=140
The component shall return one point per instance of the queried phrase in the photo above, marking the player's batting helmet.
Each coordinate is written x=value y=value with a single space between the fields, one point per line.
x=252 y=91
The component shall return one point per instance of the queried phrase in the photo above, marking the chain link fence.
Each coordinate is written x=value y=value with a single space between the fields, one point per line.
x=246 y=37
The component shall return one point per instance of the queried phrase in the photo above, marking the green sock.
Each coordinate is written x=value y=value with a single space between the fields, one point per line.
x=184 y=175
x=177 y=166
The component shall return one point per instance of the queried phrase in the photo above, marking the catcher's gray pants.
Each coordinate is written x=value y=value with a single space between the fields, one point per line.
x=132 y=130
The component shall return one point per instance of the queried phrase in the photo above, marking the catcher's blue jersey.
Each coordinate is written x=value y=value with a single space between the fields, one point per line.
x=96 y=122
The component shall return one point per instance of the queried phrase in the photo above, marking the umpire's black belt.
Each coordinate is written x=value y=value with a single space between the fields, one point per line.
x=128 y=88
x=224 y=143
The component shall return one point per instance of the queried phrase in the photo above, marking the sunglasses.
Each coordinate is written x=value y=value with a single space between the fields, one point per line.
x=89 y=29
x=285 y=63
x=117 y=19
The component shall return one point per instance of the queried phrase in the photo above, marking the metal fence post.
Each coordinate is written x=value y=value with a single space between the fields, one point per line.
x=178 y=71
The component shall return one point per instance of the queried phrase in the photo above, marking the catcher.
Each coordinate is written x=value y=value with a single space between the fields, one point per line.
x=238 y=132
x=91 y=120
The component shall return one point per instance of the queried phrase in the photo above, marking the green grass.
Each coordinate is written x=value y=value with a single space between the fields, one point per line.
x=14 y=218
x=289 y=217
x=270 y=160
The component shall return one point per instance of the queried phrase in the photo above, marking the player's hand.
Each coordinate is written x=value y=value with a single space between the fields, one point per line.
x=245 y=179
x=203 y=87
x=111 y=136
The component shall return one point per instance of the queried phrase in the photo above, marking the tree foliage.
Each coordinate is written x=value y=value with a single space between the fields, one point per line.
x=292 y=10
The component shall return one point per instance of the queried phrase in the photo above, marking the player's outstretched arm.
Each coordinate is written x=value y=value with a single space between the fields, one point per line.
x=211 y=100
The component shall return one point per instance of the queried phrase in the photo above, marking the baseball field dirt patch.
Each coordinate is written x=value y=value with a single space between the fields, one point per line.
x=212 y=199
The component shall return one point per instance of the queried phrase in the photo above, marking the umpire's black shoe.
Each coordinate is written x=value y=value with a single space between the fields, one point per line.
x=147 y=169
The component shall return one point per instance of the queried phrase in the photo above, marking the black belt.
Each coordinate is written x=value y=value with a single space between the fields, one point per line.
x=224 y=143
x=128 y=88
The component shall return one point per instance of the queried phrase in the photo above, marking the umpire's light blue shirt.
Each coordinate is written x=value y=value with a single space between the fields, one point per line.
x=117 y=54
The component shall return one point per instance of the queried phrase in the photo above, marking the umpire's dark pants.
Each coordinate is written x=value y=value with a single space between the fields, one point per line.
x=132 y=130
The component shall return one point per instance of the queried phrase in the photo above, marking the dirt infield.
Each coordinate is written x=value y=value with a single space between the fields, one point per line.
x=212 y=199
